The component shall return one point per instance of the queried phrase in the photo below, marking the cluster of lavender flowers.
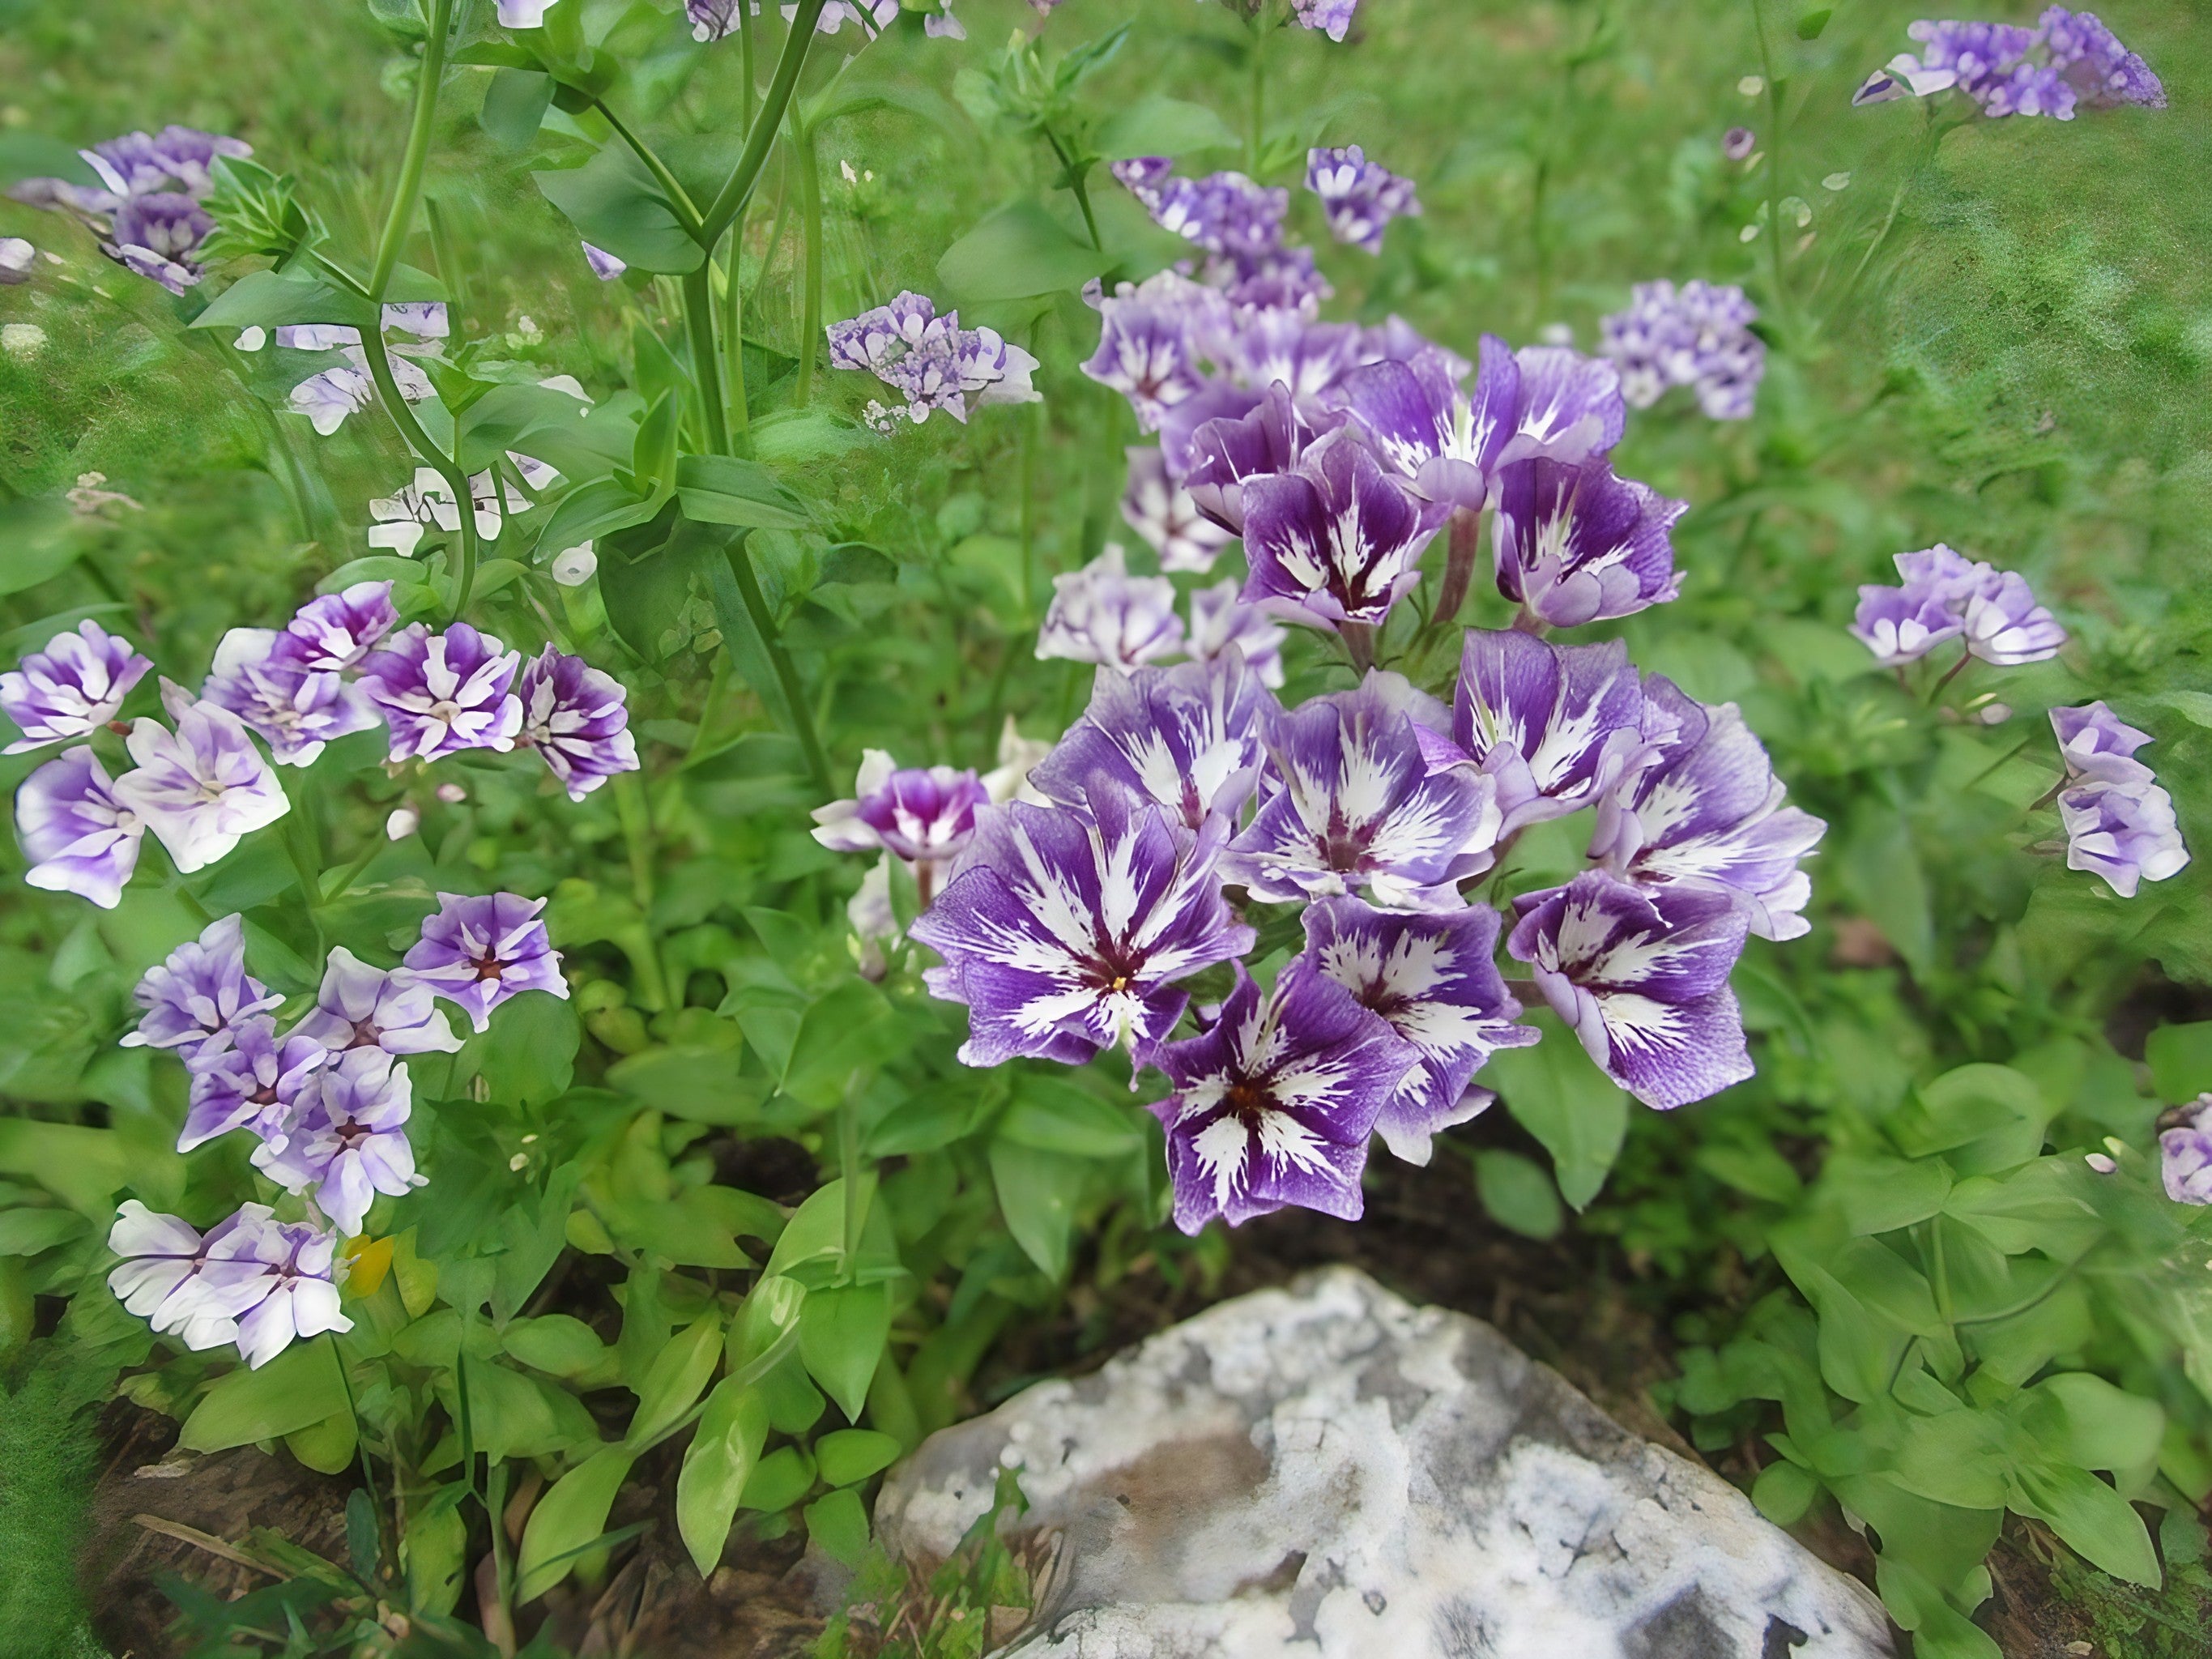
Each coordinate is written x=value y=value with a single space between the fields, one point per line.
x=2069 y=60
x=1102 y=614
x=2184 y=1146
x=930 y=361
x=1359 y=198
x=2119 y=824
x=146 y=209
x=328 y=1102
x=717 y=20
x=204 y=786
x=1698 y=336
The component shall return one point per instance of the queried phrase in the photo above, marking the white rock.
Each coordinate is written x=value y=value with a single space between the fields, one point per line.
x=1327 y=1471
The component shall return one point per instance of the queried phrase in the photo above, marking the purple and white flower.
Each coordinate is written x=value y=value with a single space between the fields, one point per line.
x=443 y=693
x=1162 y=511
x=196 y=1001
x=1697 y=335
x=338 y=630
x=1706 y=814
x=1903 y=624
x=360 y=1005
x=2069 y=59
x=251 y=1083
x=2185 y=1151
x=287 y=1270
x=923 y=815
x=1349 y=803
x=1147 y=353
x=2125 y=832
x=347 y=1139
x=1271 y=346
x=2094 y=743
x=1641 y=976
x=1064 y=930
x=1359 y=197
x=157 y=237
x=1102 y=614
x=1225 y=451
x=480 y=953
x=605 y=265
x=1330 y=17
x=169 y=1276
x=295 y=710
x=575 y=715
x=177 y=159
x=327 y=397
x=78 y=833
x=1220 y=619
x=1337 y=541
x=71 y=688
x=931 y=361
x=2002 y=624
x=1552 y=726
x=1190 y=738
x=1272 y=1106
x=203 y=788
x=1946 y=595
x=1433 y=980
x=1577 y=544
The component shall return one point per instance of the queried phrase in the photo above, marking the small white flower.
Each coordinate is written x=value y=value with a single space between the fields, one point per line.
x=403 y=822
x=251 y=339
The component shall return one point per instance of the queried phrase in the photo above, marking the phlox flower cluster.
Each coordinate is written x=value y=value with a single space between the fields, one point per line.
x=2119 y=824
x=201 y=785
x=327 y=1101
x=2069 y=60
x=1698 y=336
x=1102 y=614
x=1359 y=197
x=1067 y=918
x=146 y=209
x=2185 y=1148
x=1992 y=613
x=930 y=362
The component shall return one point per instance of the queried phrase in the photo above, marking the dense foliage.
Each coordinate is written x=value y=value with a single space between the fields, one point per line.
x=532 y=538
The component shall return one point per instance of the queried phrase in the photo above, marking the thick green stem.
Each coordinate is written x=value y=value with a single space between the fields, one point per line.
x=449 y=262
x=760 y=138
x=705 y=356
x=810 y=208
x=402 y=214
x=1078 y=183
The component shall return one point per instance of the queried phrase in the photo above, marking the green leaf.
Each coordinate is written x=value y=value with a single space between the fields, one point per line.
x=434 y=1551
x=1881 y=870
x=274 y=299
x=568 y=1519
x=1784 y=1492
x=35 y=156
x=1556 y=1093
x=1037 y=1194
x=693 y=1081
x=718 y=1463
x=1759 y=1170
x=1958 y=1457
x=778 y=1481
x=1812 y=22
x=1018 y=252
x=615 y=204
x=37 y=542
x=1878 y=1195
x=847 y=1455
x=512 y=1415
x=514 y=106
x=1053 y=1115
x=1518 y=1194
x=841 y=1334
x=559 y=1344
x=530 y=1052
x=851 y=1027
x=591 y=511
x=1160 y=127
x=2043 y=1205
x=2180 y=1058
x=766 y=1327
x=510 y=416
x=84 y=1168
x=2193 y=706
x=674 y=1379
x=299 y=1388
x=2083 y=1419
x=839 y=1523
x=723 y=490
x=1986 y=1118
x=2095 y=1522
x=26 y=1231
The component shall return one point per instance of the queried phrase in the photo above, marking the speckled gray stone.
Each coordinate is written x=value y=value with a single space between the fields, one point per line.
x=1329 y=1471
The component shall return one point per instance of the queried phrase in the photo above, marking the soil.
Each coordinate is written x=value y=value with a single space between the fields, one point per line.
x=1570 y=1301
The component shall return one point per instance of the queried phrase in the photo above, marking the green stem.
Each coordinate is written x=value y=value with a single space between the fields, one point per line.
x=1262 y=26
x=786 y=674
x=351 y=873
x=360 y=1445
x=734 y=337
x=409 y=190
x=1773 y=154
x=761 y=136
x=746 y=61
x=810 y=207
x=1033 y=419
x=705 y=356
x=679 y=199
x=449 y=262
x=1077 y=182
x=849 y=1166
